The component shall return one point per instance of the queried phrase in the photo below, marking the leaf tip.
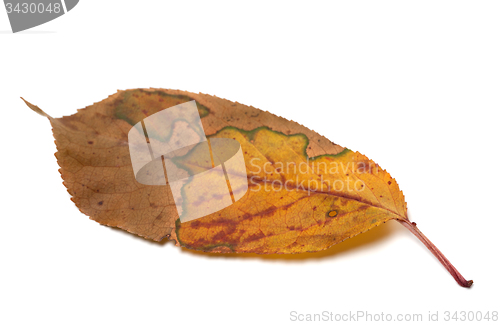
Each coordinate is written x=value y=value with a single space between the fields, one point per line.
x=36 y=109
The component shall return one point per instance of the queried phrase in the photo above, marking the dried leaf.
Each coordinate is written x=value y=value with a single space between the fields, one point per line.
x=305 y=193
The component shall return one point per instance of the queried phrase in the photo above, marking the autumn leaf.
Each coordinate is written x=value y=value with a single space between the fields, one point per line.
x=302 y=192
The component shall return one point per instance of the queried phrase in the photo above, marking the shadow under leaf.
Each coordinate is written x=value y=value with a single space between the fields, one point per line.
x=370 y=237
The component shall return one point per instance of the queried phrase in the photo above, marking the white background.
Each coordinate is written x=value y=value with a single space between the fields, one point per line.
x=412 y=85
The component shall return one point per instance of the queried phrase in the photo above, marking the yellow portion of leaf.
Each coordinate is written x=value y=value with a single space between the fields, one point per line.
x=295 y=204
